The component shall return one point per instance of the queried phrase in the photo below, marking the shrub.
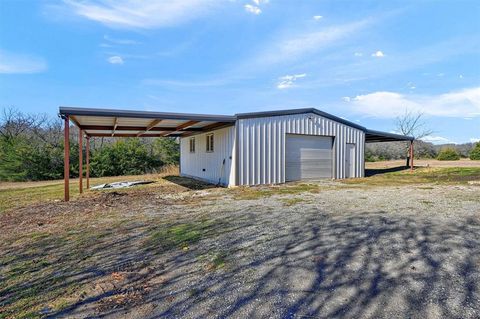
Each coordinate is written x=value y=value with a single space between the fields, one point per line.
x=448 y=154
x=124 y=157
x=475 y=152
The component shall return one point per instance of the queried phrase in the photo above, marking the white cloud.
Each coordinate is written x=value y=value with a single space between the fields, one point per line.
x=358 y=54
x=11 y=63
x=474 y=139
x=288 y=81
x=346 y=99
x=115 y=59
x=252 y=9
x=317 y=18
x=436 y=139
x=463 y=103
x=140 y=14
x=378 y=54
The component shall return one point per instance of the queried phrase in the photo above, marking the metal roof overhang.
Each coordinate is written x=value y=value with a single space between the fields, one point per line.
x=126 y=123
x=372 y=136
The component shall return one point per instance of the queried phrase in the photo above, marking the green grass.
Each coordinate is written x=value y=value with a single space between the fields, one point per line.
x=181 y=236
x=252 y=193
x=451 y=175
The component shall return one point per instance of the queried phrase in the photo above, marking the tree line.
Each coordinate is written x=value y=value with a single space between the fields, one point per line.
x=397 y=150
x=32 y=148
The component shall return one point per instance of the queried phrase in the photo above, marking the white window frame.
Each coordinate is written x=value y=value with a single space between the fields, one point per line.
x=192 y=142
x=210 y=145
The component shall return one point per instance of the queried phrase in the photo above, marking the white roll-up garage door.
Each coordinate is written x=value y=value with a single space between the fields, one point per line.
x=308 y=157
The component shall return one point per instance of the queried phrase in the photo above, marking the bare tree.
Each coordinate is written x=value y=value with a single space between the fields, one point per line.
x=13 y=123
x=412 y=124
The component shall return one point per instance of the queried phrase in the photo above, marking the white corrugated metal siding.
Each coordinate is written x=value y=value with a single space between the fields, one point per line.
x=209 y=166
x=261 y=145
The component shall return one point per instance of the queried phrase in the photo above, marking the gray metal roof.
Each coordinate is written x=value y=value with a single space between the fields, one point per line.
x=300 y=111
x=111 y=122
x=144 y=114
x=127 y=123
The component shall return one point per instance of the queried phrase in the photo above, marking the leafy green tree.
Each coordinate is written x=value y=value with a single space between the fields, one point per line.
x=448 y=154
x=475 y=152
x=168 y=150
x=12 y=167
x=124 y=157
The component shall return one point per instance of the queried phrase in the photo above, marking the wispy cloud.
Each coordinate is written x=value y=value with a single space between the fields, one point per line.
x=474 y=139
x=288 y=81
x=298 y=44
x=317 y=18
x=462 y=103
x=115 y=60
x=141 y=14
x=252 y=9
x=11 y=63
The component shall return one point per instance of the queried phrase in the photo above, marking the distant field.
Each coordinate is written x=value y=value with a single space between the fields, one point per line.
x=424 y=163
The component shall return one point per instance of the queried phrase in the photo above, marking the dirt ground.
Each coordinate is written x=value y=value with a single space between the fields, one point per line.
x=324 y=249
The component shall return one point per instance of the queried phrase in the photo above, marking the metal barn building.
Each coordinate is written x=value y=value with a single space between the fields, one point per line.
x=279 y=146
x=244 y=149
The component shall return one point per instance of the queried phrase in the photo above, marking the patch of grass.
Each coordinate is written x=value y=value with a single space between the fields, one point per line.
x=450 y=175
x=292 y=201
x=426 y=202
x=218 y=260
x=252 y=192
x=180 y=235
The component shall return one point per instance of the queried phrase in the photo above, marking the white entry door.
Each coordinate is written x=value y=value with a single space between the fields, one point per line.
x=350 y=160
x=308 y=157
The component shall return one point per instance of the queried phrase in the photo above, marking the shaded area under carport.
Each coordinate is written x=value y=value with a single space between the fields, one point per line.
x=372 y=136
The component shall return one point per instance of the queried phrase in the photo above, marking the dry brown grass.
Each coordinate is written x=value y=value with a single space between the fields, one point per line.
x=19 y=194
x=464 y=162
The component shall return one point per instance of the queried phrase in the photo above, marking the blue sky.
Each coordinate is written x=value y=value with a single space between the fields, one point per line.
x=366 y=61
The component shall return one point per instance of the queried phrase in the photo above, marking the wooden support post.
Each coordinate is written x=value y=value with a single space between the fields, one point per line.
x=88 y=162
x=66 y=160
x=80 y=161
x=411 y=156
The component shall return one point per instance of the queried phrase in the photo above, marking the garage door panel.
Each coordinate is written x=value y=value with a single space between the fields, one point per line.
x=308 y=157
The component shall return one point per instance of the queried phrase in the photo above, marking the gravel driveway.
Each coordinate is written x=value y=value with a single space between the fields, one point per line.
x=339 y=252
x=321 y=250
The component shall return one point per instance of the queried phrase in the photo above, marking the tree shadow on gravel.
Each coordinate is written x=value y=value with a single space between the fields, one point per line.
x=371 y=265
x=243 y=264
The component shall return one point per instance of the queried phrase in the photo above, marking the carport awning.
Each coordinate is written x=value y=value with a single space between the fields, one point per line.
x=122 y=123
x=372 y=136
